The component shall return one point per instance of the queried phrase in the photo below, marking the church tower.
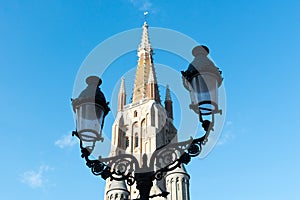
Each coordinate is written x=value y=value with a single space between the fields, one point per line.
x=144 y=125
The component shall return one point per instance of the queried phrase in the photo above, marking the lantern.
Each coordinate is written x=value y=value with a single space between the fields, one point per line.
x=90 y=109
x=202 y=79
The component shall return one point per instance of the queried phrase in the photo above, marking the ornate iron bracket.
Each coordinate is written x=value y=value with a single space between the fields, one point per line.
x=164 y=159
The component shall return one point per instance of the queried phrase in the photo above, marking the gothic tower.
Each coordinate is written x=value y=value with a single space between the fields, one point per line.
x=144 y=125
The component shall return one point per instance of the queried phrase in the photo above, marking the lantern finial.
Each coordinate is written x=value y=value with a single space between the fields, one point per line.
x=93 y=80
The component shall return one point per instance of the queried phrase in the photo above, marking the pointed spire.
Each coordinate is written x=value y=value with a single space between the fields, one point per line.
x=145 y=73
x=122 y=87
x=145 y=42
x=152 y=87
x=168 y=94
x=122 y=95
x=169 y=103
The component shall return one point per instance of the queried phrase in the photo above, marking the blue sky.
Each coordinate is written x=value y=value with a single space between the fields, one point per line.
x=255 y=43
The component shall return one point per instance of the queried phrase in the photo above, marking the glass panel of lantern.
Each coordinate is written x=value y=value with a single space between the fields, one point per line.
x=89 y=121
x=204 y=91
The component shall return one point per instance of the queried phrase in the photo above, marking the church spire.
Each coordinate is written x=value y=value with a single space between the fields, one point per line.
x=122 y=95
x=145 y=85
x=145 y=42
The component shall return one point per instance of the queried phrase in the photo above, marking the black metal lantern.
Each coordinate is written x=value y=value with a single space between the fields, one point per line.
x=90 y=109
x=202 y=79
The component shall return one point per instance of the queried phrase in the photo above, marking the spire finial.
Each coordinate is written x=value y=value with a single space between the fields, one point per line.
x=145 y=43
x=145 y=17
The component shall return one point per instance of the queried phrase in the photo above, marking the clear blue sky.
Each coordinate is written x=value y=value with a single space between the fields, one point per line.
x=255 y=43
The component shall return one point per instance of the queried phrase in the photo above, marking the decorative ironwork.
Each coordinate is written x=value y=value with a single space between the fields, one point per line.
x=164 y=159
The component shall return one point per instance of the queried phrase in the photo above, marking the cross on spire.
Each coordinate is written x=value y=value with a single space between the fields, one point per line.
x=145 y=16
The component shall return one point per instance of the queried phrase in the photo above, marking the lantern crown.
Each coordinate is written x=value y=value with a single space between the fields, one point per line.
x=92 y=94
x=201 y=65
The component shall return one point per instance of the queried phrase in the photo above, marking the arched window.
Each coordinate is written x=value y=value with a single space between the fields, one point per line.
x=136 y=140
x=135 y=114
x=126 y=142
x=121 y=142
x=143 y=128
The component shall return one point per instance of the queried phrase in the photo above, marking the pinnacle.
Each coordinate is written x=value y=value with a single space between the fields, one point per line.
x=168 y=94
x=122 y=86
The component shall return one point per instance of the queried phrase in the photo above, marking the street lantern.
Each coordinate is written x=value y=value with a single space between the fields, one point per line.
x=202 y=79
x=90 y=109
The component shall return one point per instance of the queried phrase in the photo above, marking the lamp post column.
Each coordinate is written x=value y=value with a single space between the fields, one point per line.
x=144 y=183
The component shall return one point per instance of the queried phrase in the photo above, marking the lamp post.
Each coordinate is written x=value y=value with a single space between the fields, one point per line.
x=202 y=79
